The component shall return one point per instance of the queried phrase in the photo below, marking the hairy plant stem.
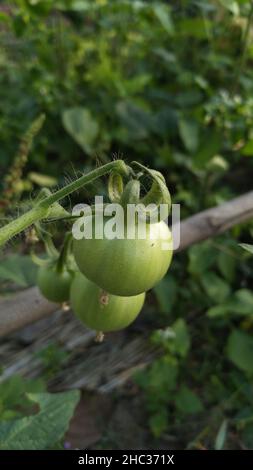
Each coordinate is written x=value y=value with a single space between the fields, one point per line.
x=117 y=165
x=42 y=208
x=21 y=223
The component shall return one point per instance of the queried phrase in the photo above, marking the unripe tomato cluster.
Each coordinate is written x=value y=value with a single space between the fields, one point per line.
x=107 y=291
x=116 y=273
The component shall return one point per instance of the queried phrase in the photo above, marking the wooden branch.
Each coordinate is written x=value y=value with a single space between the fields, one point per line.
x=216 y=220
x=22 y=309
x=29 y=306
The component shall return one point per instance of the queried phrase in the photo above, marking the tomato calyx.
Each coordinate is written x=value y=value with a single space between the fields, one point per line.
x=157 y=195
x=115 y=187
x=130 y=193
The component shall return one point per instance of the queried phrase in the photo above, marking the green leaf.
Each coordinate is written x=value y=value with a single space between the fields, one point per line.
x=167 y=56
x=19 y=269
x=210 y=145
x=242 y=302
x=231 y=5
x=197 y=27
x=248 y=149
x=40 y=431
x=84 y=129
x=158 y=422
x=4 y=18
x=227 y=265
x=166 y=293
x=218 y=164
x=189 y=98
x=201 y=258
x=216 y=288
x=182 y=341
x=76 y=5
x=138 y=83
x=163 y=374
x=189 y=133
x=187 y=401
x=221 y=436
x=247 y=247
x=240 y=350
x=163 y=14
x=137 y=122
x=13 y=394
x=219 y=311
x=159 y=379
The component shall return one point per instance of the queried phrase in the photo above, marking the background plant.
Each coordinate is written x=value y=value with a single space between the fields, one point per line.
x=169 y=86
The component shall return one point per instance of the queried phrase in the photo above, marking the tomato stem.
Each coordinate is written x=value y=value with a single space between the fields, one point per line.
x=21 y=223
x=117 y=165
x=62 y=260
x=45 y=207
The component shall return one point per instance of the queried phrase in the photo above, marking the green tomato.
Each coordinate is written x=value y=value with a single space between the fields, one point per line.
x=124 y=266
x=101 y=311
x=54 y=285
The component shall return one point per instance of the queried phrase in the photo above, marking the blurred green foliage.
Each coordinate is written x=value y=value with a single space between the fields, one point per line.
x=160 y=82
x=169 y=84
x=25 y=408
x=204 y=377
